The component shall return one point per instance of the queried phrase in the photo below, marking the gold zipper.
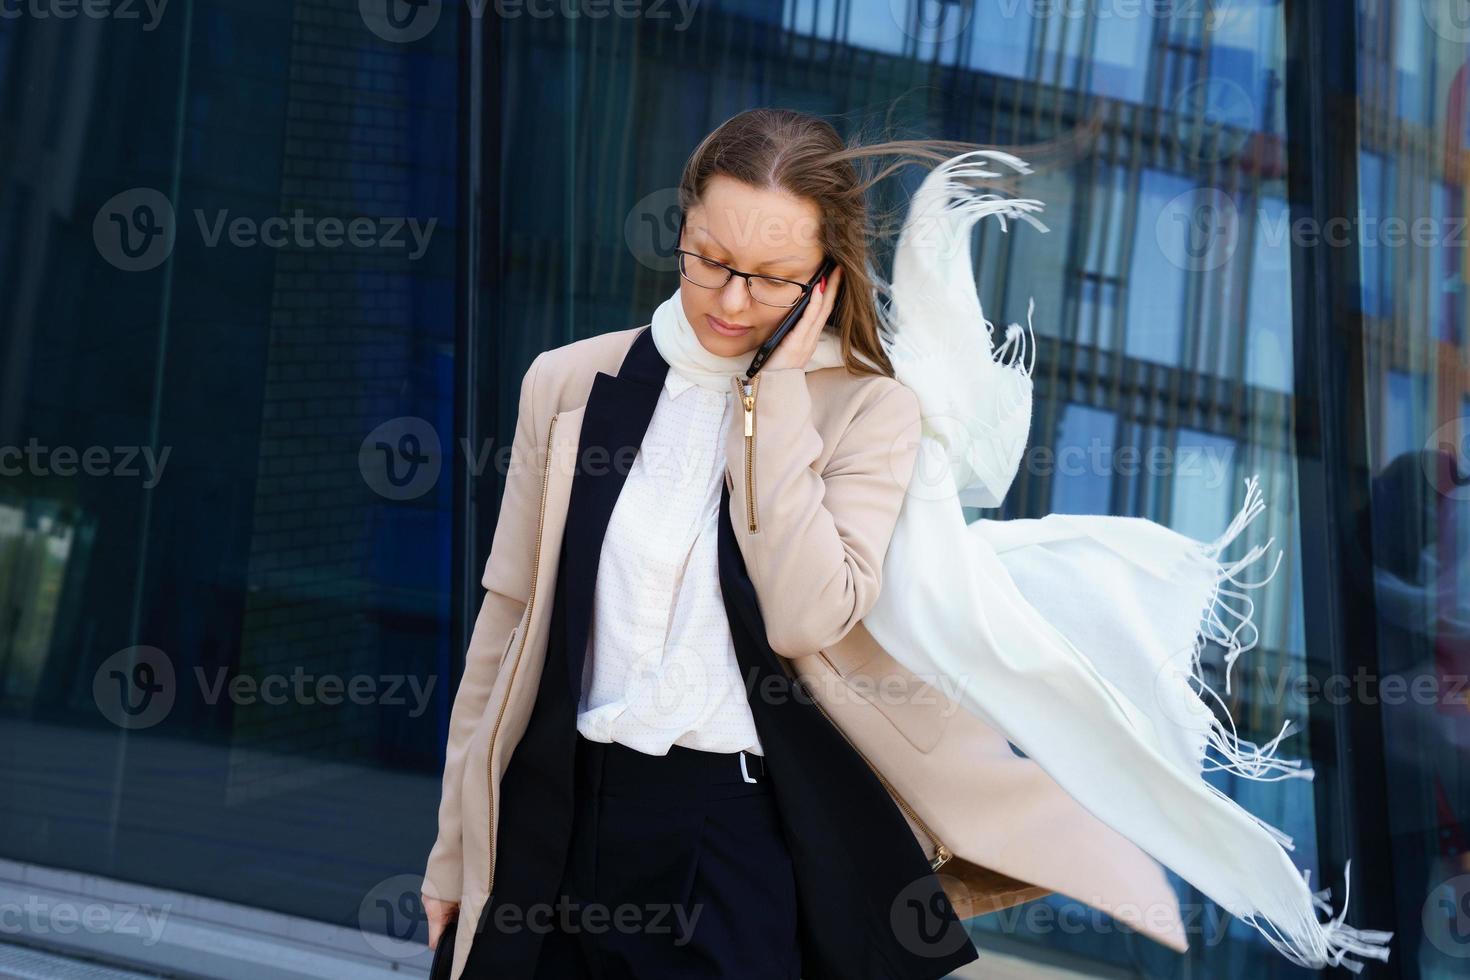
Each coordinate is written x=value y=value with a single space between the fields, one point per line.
x=530 y=603
x=941 y=853
x=746 y=394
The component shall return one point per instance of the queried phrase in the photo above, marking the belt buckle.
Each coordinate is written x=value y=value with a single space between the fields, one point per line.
x=745 y=773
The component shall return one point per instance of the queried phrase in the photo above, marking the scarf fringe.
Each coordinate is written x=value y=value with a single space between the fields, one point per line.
x=1244 y=758
x=1019 y=340
x=1303 y=940
x=1317 y=945
x=949 y=200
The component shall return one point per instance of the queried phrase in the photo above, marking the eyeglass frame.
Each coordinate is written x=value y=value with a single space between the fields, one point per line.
x=806 y=287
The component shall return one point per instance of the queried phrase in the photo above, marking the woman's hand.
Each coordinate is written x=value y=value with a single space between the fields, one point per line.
x=797 y=348
x=440 y=914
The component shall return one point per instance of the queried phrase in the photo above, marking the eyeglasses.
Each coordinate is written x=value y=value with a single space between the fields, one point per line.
x=767 y=290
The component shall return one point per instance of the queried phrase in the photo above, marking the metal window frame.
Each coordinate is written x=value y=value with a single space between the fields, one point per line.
x=1331 y=430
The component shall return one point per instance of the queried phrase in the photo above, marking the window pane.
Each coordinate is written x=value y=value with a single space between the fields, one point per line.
x=228 y=330
x=1413 y=74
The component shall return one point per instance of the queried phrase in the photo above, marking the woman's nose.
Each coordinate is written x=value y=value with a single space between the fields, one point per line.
x=735 y=297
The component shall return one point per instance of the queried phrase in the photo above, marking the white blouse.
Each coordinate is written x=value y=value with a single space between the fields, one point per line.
x=660 y=666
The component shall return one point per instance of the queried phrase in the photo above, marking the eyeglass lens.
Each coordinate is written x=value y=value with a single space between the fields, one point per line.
x=711 y=275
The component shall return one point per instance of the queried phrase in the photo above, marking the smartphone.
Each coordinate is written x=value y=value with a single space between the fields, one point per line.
x=769 y=347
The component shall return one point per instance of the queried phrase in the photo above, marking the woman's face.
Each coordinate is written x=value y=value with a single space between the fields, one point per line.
x=766 y=232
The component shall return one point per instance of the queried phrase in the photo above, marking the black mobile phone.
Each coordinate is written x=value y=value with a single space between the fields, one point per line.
x=769 y=347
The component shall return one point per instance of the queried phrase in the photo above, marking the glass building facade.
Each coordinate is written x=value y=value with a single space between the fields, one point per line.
x=272 y=273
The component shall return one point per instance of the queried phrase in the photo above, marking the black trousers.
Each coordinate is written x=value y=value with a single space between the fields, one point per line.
x=678 y=868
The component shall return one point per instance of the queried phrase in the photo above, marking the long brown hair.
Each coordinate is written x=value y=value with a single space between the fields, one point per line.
x=803 y=155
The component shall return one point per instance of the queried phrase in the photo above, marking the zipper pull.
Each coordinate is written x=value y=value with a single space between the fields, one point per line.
x=746 y=394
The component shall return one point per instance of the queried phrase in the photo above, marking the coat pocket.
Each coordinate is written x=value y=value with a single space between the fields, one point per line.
x=844 y=658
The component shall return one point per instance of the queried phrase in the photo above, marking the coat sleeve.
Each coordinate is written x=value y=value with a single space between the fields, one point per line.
x=815 y=554
x=507 y=580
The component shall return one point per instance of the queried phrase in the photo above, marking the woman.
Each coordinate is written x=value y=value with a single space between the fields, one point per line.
x=738 y=830
x=747 y=777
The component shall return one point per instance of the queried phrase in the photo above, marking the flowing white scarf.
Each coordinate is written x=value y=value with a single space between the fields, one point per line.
x=1077 y=637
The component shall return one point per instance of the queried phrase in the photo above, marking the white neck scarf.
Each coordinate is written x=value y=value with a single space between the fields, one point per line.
x=677 y=342
x=1076 y=636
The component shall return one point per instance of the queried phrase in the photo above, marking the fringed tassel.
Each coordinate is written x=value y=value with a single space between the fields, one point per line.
x=1011 y=355
x=975 y=206
x=949 y=201
x=1252 y=761
x=1019 y=341
x=1243 y=757
x=1317 y=945
x=1255 y=503
x=1308 y=943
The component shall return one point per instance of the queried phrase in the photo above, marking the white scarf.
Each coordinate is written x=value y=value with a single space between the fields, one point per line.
x=677 y=342
x=1076 y=637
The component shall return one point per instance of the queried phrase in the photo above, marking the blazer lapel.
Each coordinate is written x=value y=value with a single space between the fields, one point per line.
x=614 y=423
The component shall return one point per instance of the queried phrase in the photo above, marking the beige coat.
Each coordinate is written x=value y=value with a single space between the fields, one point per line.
x=827 y=459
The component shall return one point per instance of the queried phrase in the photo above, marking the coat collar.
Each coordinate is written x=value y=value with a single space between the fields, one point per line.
x=614 y=422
